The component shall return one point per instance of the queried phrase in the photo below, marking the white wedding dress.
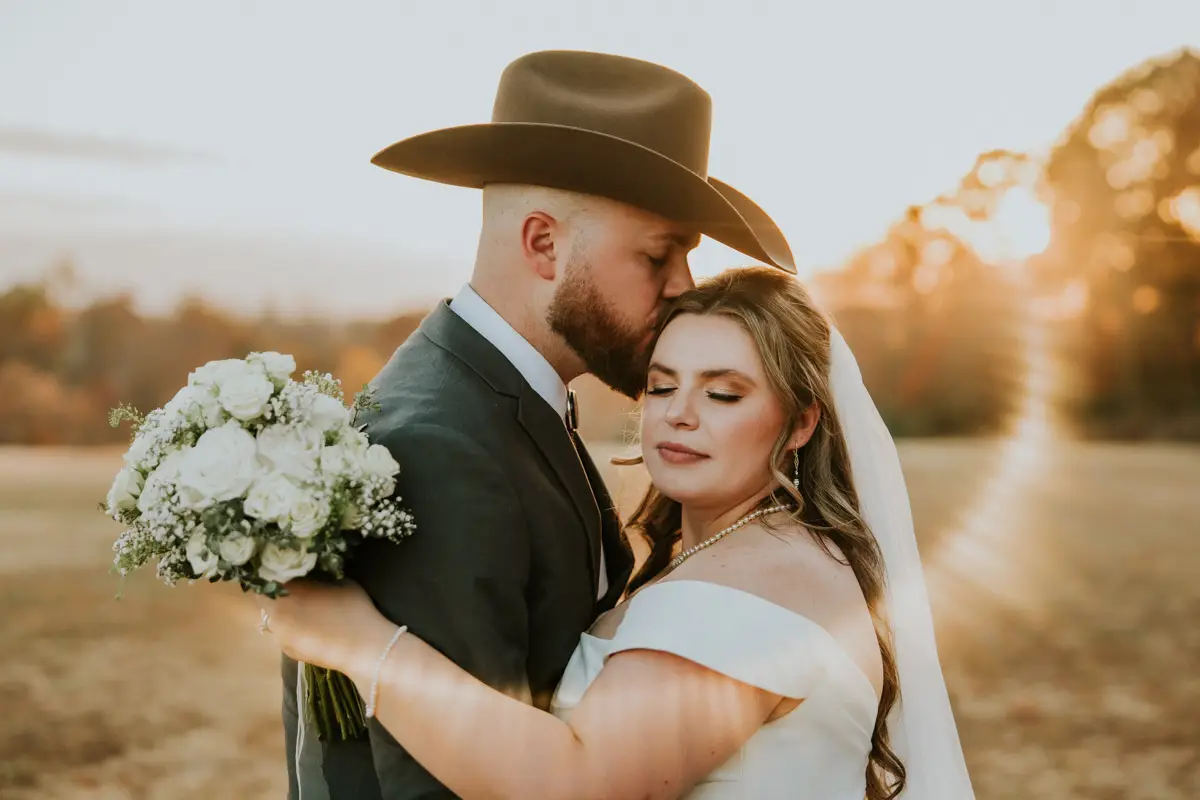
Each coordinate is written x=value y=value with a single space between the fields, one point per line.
x=818 y=751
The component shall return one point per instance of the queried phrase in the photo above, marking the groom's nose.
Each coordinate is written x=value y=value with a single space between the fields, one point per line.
x=679 y=281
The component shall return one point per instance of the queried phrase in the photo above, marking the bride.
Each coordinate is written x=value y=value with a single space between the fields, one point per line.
x=777 y=643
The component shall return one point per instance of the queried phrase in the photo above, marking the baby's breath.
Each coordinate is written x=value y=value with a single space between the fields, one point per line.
x=324 y=383
x=222 y=539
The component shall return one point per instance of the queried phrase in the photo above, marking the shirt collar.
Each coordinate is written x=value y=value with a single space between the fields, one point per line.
x=532 y=365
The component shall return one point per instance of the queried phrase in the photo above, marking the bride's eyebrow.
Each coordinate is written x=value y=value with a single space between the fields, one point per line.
x=728 y=373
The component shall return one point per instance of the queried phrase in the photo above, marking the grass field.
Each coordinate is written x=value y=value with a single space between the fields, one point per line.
x=1064 y=581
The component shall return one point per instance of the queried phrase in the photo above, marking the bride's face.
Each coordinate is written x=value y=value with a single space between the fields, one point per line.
x=709 y=418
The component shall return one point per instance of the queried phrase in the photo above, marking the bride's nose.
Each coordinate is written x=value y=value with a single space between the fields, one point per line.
x=681 y=411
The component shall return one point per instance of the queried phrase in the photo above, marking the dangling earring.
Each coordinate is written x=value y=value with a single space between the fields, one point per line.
x=796 y=468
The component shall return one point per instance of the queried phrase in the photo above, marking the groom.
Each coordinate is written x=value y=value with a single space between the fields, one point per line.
x=595 y=188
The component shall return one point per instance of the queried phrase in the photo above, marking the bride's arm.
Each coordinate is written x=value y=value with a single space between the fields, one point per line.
x=651 y=725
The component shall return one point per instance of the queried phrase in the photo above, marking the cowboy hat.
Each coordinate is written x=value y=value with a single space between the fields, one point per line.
x=604 y=125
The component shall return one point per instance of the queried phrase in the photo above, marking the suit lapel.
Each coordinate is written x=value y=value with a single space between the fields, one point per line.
x=550 y=435
x=573 y=467
x=618 y=555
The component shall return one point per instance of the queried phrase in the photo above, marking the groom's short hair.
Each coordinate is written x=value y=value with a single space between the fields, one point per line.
x=518 y=199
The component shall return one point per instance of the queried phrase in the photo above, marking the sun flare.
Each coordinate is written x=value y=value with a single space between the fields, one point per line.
x=1022 y=223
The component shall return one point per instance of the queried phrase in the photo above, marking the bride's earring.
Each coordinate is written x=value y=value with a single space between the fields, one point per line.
x=796 y=468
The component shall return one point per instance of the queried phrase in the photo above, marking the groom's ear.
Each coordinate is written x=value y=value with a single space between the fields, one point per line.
x=806 y=424
x=542 y=243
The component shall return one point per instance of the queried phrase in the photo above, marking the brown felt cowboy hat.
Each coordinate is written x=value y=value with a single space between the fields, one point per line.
x=603 y=125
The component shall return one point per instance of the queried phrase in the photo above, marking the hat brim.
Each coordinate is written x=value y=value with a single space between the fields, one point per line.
x=589 y=162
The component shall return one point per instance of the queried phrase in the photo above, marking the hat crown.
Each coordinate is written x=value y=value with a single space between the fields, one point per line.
x=627 y=98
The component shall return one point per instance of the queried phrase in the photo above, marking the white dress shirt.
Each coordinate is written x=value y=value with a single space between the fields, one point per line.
x=532 y=365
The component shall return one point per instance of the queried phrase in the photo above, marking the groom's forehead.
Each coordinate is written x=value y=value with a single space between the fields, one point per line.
x=650 y=224
x=688 y=240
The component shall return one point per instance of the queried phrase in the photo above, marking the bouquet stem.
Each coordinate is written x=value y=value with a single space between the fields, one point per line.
x=334 y=706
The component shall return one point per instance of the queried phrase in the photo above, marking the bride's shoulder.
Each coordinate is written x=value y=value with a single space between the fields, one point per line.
x=784 y=563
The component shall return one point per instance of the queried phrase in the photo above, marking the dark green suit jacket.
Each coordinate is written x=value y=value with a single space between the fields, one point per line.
x=501 y=574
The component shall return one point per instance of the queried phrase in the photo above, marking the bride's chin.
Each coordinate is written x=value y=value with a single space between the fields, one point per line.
x=676 y=488
x=687 y=484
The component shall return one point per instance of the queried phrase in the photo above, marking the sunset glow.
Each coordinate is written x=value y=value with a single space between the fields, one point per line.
x=1019 y=227
x=256 y=123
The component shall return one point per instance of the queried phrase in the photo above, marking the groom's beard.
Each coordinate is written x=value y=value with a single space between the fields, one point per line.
x=612 y=350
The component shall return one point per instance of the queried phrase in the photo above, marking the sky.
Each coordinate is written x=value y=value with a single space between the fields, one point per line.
x=255 y=121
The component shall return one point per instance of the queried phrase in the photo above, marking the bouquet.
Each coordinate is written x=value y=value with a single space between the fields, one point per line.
x=247 y=475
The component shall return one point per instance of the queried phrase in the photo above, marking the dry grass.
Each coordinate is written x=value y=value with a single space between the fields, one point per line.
x=1064 y=586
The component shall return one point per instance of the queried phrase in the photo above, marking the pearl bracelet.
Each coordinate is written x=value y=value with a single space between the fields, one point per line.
x=400 y=631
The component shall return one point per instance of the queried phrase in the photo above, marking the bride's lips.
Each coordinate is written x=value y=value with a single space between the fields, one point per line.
x=675 y=453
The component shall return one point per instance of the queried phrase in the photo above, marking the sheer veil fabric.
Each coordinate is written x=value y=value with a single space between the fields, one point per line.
x=922 y=727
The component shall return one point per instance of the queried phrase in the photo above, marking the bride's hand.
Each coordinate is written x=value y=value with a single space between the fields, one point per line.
x=335 y=626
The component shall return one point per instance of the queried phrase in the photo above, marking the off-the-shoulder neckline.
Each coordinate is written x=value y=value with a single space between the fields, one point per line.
x=830 y=639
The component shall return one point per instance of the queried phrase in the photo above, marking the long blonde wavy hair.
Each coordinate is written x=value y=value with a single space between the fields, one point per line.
x=792 y=338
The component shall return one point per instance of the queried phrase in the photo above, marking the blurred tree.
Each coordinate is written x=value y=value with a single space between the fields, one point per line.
x=934 y=329
x=1126 y=238
x=61 y=370
x=32 y=328
x=36 y=409
x=935 y=309
x=356 y=366
x=392 y=333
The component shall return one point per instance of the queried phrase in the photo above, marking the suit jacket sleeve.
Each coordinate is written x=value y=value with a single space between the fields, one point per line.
x=458 y=582
x=291 y=722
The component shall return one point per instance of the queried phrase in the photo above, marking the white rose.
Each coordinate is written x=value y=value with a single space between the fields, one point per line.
x=236 y=549
x=378 y=461
x=327 y=413
x=281 y=564
x=279 y=366
x=291 y=449
x=168 y=469
x=271 y=497
x=203 y=560
x=186 y=405
x=197 y=405
x=208 y=374
x=182 y=399
x=337 y=460
x=123 y=494
x=244 y=390
x=307 y=516
x=139 y=450
x=154 y=493
x=221 y=466
x=160 y=481
x=212 y=413
x=355 y=441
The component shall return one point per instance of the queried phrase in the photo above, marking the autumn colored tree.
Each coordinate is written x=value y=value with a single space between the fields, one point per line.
x=1126 y=238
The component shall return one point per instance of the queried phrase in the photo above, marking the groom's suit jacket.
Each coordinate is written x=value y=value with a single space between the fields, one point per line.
x=501 y=573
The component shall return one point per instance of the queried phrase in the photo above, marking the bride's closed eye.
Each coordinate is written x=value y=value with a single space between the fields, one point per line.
x=720 y=397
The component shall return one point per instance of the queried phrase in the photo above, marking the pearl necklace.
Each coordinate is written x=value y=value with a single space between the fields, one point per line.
x=716 y=537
